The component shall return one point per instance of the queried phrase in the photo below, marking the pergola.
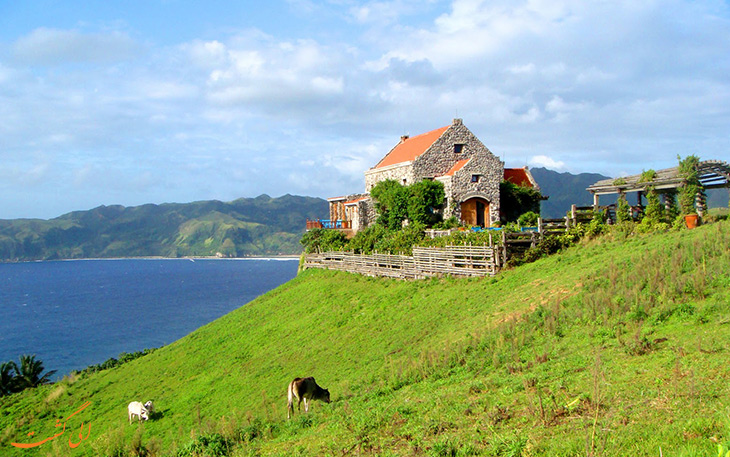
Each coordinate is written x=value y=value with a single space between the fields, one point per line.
x=713 y=174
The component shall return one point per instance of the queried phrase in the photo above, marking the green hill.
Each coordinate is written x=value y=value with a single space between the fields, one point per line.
x=614 y=347
x=244 y=227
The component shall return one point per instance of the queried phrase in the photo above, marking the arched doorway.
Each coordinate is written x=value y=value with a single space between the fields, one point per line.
x=475 y=211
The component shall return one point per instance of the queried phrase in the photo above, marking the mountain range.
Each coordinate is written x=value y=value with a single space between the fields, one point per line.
x=258 y=226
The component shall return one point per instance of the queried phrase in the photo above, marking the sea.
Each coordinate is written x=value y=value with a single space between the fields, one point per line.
x=75 y=313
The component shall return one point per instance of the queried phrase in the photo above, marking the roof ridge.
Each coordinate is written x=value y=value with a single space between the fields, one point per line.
x=411 y=147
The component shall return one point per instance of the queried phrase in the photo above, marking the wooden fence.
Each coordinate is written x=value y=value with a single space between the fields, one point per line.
x=425 y=262
x=451 y=260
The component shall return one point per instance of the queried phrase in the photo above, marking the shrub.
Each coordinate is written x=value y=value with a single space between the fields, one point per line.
x=391 y=201
x=647 y=176
x=322 y=240
x=418 y=202
x=424 y=198
x=528 y=219
x=515 y=200
x=401 y=241
x=691 y=187
x=623 y=210
x=654 y=211
x=365 y=240
x=213 y=445
x=449 y=223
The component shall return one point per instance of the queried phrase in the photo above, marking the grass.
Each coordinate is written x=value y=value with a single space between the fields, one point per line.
x=614 y=347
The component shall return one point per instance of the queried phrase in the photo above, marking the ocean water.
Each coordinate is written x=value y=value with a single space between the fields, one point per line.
x=72 y=314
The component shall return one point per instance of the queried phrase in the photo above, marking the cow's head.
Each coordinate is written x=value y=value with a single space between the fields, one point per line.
x=326 y=397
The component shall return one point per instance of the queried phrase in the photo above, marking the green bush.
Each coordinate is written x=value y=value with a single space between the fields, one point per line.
x=391 y=201
x=528 y=219
x=447 y=224
x=691 y=187
x=401 y=241
x=418 y=202
x=322 y=240
x=365 y=240
x=212 y=445
x=515 y=200
x=654 y=211
x=623 y=209
x=424 y=198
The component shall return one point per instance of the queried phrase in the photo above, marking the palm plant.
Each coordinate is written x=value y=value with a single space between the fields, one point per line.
x=7 y=379
x=29 y=374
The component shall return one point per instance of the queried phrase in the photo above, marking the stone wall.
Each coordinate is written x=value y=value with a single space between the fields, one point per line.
x=401 y=172
x=490 y=172
x=441 y=157
x=436 y=161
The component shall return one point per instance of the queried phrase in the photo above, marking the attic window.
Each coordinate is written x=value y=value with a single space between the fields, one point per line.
x=474 y=178
x=458 y=148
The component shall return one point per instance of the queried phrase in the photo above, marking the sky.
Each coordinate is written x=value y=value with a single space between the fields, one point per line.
x=130 y=102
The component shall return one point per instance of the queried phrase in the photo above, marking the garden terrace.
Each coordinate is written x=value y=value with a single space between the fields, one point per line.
x=713 y=174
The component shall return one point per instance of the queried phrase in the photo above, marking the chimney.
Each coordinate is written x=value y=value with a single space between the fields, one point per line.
x=404 y=138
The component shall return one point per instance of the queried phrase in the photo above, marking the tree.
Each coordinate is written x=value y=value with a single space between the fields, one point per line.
x=688 y=171
x=30 y=373
x=418 y=202
x=623 y=210
x=8 y=384
x=515 y=200
x=654 y=211
x=424 y=199
x=391 y=201
x=322 y=240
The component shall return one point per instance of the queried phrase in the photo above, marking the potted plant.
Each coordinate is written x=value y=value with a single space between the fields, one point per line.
x=690 y=188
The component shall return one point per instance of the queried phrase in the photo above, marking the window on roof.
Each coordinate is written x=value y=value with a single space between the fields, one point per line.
x=474 y=178
x=458 y=148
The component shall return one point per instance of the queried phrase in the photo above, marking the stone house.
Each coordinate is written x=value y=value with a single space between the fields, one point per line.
x=453 y=155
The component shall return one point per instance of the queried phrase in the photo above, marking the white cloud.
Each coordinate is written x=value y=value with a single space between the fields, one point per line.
x=47 y=46
x=547 y=162
x=256 y=68
x=575 y=84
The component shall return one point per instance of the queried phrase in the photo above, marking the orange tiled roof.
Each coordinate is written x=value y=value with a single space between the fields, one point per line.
x=457 y=166
x=518 y=176
x=410 y=148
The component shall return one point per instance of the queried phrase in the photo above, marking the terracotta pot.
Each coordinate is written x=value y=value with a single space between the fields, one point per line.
x=691 y=220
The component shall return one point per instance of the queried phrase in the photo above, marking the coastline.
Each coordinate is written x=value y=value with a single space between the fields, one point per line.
x=279 y=257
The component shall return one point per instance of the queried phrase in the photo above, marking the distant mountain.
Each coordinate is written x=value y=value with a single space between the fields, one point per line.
x=244 y=227
x=565 y=190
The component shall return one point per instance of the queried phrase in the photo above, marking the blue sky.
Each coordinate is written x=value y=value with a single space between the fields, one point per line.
x=107 y=102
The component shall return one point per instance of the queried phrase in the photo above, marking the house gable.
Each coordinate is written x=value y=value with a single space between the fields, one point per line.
x=410 y=148
x=521 y=177
x=453 y=155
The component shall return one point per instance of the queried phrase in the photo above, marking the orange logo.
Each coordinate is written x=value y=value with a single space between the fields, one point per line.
x=71 y=443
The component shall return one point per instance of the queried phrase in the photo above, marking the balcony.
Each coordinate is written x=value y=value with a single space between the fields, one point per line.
x=329 y=224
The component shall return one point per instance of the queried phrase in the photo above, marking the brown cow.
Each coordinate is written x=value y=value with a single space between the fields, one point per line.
x=304 y=389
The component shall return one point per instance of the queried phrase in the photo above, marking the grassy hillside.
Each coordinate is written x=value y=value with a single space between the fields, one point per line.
x=617 y=347
x=244 y=227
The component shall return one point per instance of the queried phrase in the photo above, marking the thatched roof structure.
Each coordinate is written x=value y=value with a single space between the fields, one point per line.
x=713 y=174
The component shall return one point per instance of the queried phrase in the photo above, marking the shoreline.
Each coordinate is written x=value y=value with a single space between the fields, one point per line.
x=280 y=257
